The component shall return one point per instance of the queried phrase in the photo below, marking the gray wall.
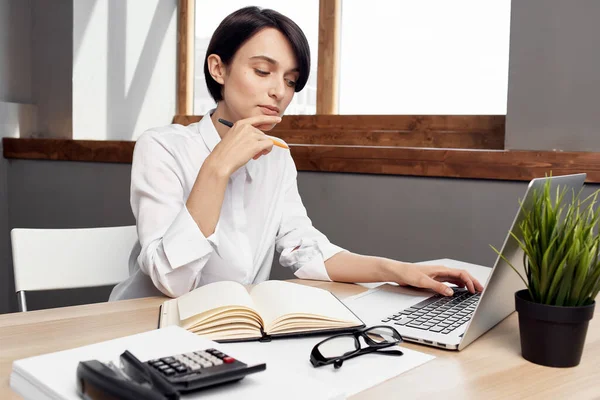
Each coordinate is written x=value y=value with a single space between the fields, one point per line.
x=55 y=194
x=15 y=51
x=5 y=259
x=554 y=76
x=15 y=87
x=52 y=70
x=405 y=218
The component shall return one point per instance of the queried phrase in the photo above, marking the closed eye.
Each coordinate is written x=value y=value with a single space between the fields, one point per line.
x=260 y=72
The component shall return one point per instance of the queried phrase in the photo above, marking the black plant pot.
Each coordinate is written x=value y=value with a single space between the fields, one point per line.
x=551 y=335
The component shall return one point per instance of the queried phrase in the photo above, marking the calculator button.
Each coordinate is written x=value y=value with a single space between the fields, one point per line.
x=218 y=362
x=180 y=369
x=228 y=360
x=163 y=367
x=169 y=371
x=195 y=367
x=168 y=360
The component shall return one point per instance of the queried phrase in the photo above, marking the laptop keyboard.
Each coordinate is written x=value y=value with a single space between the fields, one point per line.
x=441 y=314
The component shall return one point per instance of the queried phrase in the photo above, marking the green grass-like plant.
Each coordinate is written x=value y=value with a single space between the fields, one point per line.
x=561 y=247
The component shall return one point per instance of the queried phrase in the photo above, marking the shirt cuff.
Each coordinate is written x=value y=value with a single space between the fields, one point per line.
x=309 y=259
x=329 y=250
x=184 y=242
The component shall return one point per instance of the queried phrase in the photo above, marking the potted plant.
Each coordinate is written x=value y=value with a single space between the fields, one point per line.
x=561 y=261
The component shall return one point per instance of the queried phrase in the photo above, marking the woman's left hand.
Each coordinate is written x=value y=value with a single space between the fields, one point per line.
x=432 y=276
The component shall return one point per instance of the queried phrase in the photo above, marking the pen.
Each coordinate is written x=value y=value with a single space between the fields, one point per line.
x=225 y=122
x=276 y=141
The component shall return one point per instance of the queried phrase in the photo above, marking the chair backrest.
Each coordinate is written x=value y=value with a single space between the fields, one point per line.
x=46 y=259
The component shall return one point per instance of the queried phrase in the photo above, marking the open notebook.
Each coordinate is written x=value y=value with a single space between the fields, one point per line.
x=227 y=311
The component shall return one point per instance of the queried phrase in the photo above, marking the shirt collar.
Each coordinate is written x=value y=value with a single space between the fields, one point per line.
x=211 y=138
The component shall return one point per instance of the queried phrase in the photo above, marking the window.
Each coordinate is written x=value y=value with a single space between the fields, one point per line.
x=210 y=14
x=424 y=57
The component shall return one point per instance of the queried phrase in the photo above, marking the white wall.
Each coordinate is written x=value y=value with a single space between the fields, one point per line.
x=124 y=67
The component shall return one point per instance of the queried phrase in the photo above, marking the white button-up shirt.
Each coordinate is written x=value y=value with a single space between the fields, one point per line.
x=262 y=212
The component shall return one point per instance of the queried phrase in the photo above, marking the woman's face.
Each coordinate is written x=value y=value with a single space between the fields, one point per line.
x=261 y=78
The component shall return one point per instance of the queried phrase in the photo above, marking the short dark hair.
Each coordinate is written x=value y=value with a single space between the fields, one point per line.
x=240 y=26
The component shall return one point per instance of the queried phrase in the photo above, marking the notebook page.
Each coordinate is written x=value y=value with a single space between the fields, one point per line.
x=211 y=296
x=275 y=299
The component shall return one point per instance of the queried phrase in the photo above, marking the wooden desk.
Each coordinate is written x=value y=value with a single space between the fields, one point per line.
x=490 y=368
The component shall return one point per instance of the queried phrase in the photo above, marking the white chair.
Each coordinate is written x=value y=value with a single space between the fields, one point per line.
x=45 y=259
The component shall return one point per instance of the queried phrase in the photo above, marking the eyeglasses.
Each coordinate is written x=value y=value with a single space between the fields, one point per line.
x=338 y=348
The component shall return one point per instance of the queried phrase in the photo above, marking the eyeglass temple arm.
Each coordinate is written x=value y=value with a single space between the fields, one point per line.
x=389 y=352
x=376 y=350
x=381 y=350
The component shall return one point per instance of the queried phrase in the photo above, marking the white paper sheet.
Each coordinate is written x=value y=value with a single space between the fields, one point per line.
x=291 y=358
x=289 y=373
x=54 y=374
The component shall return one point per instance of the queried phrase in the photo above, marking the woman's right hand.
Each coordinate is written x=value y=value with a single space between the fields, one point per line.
x=242 y=142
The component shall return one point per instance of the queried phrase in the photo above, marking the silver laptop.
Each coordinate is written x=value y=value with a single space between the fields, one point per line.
x=454 y=322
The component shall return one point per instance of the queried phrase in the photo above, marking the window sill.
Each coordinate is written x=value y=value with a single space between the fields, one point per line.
x=385 y=160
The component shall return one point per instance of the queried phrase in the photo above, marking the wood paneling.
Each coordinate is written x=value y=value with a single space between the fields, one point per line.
x=439 y=131
x=69 y=150
x=478 y=164
x=330 y=15
x=185 y=57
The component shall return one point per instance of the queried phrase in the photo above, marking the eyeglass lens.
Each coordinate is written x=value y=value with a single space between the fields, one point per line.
x=338 y=346
x=382 y=335
x=341 y=345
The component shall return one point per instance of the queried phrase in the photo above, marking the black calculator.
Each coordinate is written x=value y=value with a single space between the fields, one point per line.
x=200 y=369
x=160 y=379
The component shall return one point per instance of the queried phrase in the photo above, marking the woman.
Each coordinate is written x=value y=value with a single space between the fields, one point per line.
x=213 y=203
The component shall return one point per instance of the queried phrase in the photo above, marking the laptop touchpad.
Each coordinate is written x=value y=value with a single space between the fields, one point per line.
x=374 y=305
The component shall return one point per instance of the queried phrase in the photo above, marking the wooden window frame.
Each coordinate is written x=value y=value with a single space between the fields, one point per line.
x=481 y=132
x=423 y=145
x=453 y=146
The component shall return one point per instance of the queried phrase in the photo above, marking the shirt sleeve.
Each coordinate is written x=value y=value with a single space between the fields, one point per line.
x=303 y=248
x=174 y=249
